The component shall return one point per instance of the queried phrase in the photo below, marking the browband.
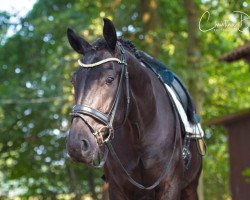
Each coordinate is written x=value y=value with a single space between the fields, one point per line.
x=100 y=62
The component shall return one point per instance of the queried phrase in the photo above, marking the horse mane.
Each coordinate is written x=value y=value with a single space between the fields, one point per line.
x=128 y=44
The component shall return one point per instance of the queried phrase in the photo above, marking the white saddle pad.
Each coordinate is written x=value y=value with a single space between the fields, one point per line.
x=192 y=130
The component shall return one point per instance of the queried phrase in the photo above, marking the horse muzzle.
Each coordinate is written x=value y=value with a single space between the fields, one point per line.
x=82 y=145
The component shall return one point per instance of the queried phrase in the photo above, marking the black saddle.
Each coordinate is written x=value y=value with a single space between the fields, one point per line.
x=173 y=81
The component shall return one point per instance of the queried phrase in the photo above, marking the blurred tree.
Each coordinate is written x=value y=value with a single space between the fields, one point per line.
x=36 y=96
x=4 y=26
x=35 y=106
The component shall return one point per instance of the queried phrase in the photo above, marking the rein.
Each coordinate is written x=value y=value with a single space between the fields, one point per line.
x=108 y=119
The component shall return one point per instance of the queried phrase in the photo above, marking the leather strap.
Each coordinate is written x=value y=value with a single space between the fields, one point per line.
x=107 y=119
x=91 y=112
x=103 y=159
x=166 y=166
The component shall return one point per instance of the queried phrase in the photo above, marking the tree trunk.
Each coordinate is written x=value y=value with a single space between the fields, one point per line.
x=195 y=82
x=151 y=21
x=149 y=15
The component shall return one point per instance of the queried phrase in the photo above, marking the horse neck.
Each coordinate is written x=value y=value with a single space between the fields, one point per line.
x=143 y=105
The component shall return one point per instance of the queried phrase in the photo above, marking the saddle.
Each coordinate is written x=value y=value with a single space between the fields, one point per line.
x=190 y=121
x=173 y=81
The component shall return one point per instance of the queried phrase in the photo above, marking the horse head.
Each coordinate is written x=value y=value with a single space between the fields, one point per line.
x=96 y=83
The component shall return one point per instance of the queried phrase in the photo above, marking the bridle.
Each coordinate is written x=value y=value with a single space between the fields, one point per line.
x=108 y=120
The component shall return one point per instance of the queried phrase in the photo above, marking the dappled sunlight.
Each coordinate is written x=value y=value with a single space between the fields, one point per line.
x=36 y=64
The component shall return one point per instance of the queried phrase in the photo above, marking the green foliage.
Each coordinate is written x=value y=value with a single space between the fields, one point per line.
x=36 y=95
x=216 y=165
x=246 y=174
x=5 y=24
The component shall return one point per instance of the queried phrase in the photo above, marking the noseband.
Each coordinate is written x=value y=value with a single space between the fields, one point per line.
x=106 y=119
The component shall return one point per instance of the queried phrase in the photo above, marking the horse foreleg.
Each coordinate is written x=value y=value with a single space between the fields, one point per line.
x=190 y=192
x=116 y=193
x=170 y=191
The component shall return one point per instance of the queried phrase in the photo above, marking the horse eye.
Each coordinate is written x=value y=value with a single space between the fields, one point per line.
x=109 y=80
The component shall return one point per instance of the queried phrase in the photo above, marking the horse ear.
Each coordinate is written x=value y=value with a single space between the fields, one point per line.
x=80 y=45
x=109 y=33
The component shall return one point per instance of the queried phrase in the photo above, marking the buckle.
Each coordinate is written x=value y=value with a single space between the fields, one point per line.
x=99 y=134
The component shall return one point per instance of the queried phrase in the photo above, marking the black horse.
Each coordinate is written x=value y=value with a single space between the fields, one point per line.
x=124 y=113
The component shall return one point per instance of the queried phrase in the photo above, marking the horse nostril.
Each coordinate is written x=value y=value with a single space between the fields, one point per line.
x=85 y=145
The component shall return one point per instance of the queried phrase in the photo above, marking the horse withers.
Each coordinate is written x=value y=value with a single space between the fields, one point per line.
x=124 y=114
